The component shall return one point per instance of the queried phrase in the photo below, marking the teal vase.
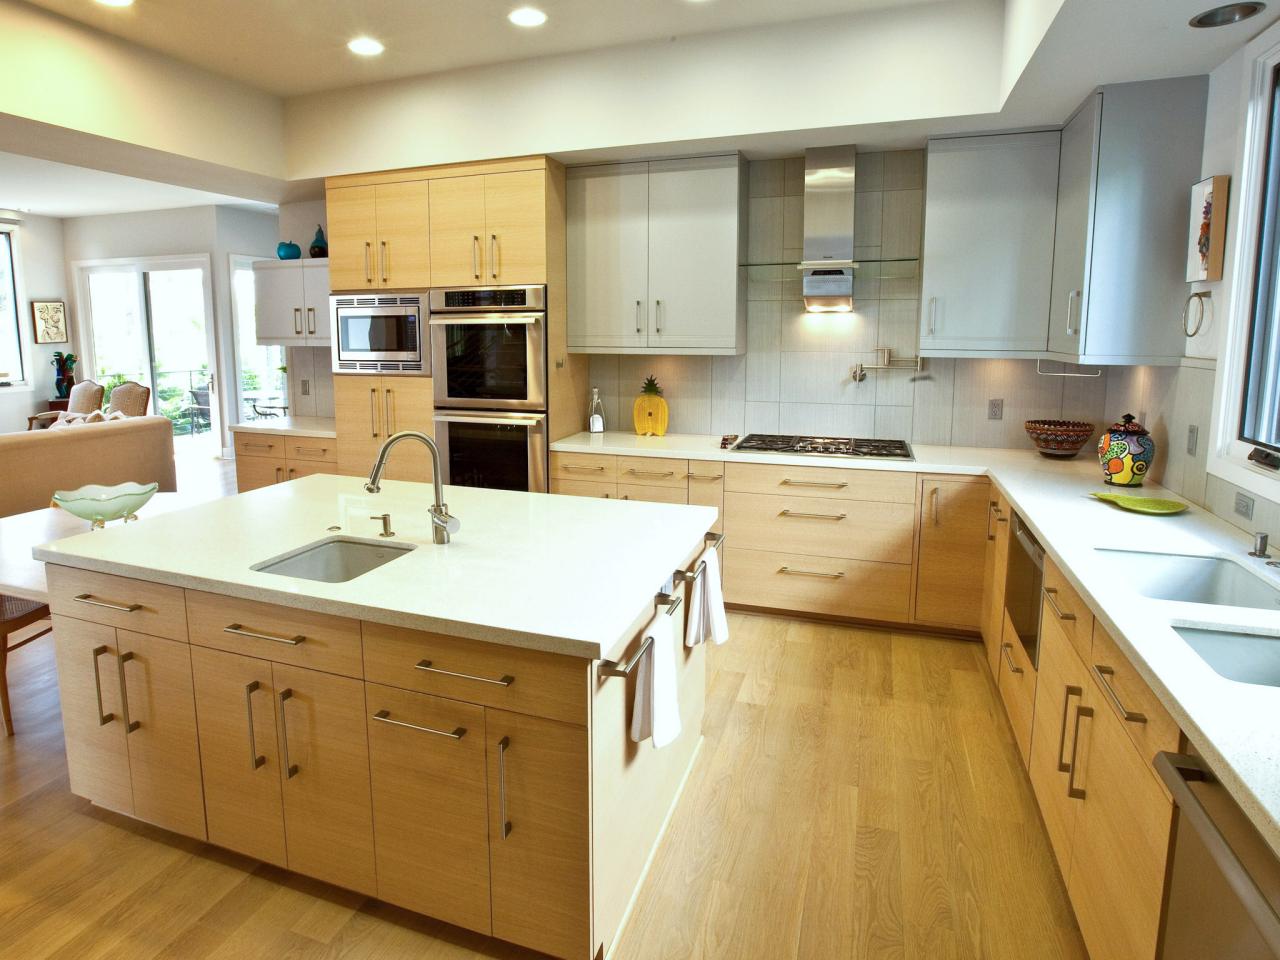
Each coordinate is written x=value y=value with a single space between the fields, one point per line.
x=288 y=250
x=319 y=245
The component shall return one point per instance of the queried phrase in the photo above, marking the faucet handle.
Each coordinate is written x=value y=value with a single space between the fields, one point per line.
x=1259 y=545
x=386 y=524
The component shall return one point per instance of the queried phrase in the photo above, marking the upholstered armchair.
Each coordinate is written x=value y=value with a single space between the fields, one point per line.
x=130 y=399
x=86 y=397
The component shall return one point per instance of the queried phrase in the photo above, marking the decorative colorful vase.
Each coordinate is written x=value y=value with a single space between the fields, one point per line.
x=319 y=245
x=288 y=250
x=649 y=414
x=1126 y=452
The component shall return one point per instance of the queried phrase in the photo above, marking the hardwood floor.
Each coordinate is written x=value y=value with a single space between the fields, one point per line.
x=858 y=795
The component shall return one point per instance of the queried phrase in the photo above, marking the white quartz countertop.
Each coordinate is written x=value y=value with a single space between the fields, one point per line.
x=568 y=575
x=290 y=426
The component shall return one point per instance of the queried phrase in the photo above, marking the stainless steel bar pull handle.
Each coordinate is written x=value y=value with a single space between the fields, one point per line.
x=1104 y=675
x=93 y=601
x=503 y=746
x=256 y=759
x=797 y=515
x=311 y=319
x=1008 y=658
x=795 y=572
x=705 y=476
x=658 y=474
x=1073 y=297
x=834 y=485
x=368 y=262
x=388 y=419
x=933 y=500
x=584 y=468
x=992 y=510
x=657 y=316
x=373 y=411
x=297 y=320
x=504 y=681
x=933 y=316
x=639 y=327
x=279 y=474
x=290 y=769
x=475 y=256
x=103 y=718
x=493 y=256
x=384 y=716
x=240 y=631
x=1074 y=792
x=1051 y=595
x=1064 y=766
x=129 y=725
x=383 y=258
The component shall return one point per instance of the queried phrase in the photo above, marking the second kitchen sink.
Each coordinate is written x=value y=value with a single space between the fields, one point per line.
x=1246 y=657
x=334 y=560
x=1192 y=579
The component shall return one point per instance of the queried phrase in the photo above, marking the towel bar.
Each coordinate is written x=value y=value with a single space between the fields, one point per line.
x=684 y=576
x=612 y=668
x=715 y=539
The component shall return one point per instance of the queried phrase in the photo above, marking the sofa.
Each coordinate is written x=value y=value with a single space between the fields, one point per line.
x=33 y=464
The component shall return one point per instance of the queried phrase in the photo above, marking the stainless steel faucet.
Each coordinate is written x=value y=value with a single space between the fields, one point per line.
x=1259 y=545
x=442 y=525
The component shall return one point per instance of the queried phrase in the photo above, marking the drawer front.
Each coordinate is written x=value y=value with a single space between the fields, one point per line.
x=829 y=482
x=311 y=448
x=585 y=488
x=1017 y=681
x=259 y=445
x=253 y=473
x=638 y=491
x=281 y=634
x=653 y=472
x=523 y=681
x=1147 y=722
x=584 y=466
x=1068 y=610
x=305 y=468
x=706 y=488
x=155 y=609
x=836 y=587
x=853 y=529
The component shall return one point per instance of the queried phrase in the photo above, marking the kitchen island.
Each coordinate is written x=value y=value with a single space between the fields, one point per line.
x=447 y=732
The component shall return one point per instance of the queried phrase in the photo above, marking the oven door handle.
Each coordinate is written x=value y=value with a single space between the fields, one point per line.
x=477 y=319
x=508 y=420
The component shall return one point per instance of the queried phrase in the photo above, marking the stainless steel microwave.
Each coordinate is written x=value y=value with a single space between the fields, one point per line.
x=380 y=333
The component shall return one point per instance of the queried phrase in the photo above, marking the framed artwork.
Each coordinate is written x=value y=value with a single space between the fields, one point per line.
x=50 y=320
x=1208 y=235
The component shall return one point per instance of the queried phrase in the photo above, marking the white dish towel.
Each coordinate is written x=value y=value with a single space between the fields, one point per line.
x=656 y=712
x=707 y=619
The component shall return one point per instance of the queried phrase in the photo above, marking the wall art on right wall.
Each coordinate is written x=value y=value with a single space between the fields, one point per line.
x=1208 y=234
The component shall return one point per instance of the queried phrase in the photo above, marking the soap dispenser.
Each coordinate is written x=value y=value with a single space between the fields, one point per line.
x=595 y=420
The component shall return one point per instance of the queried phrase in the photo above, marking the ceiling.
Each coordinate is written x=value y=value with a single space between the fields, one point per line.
x=292 y=48
x=49 y=189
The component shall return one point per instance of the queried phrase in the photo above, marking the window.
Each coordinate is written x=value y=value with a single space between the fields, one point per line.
x=260 y=370
x=11 y=369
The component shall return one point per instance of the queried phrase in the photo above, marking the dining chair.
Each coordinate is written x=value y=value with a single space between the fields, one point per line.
x=129 y=398
x=16 y=613
x=85 y=397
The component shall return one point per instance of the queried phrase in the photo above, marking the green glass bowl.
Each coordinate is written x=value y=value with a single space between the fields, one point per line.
x=98 y=504
x=1149 y=505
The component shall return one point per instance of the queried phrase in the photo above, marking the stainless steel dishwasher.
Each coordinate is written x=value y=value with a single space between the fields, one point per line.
x=1223 y=901
x=1023 y=583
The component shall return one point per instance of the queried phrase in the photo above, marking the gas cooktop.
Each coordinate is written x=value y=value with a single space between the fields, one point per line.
x=829 y=446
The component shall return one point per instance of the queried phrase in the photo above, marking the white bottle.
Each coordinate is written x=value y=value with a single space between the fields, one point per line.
x=595 y=420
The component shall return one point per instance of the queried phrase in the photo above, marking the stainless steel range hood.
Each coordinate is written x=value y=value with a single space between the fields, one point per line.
x=827 y=267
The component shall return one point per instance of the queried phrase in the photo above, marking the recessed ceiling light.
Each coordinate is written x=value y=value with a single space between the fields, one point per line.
x=527 y=17
x=365 y=46
x=116 y=3
x=1226 y=15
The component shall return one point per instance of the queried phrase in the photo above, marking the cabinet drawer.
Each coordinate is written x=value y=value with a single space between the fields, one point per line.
x=523 y=681
x=836 y=587
x=305 y=468
x=638 y=491
x=311 y=448
x=1017 y=681
x=270 y=632
x=155 y=609
x=830 y=482
x=706 y=488
x=585 y=488
x=853 y=529
x=1068 y=610
x=584 y=466
x=259 y=445
x=1147 y=722
x=653 y=471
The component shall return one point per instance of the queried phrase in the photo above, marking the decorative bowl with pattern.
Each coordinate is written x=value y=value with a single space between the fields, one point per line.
x=1059 y=438
x=98 y=504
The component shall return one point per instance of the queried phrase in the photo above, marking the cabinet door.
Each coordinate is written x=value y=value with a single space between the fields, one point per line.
x=92 y=718
x=1016 y=679
x=353 y=228
x=164 y=752
x=315 y=303
x=1076 y=173
x=515 y=216
x=255 y=472
x=296 y=469
x=239 y=756
x=324 y=760
x=694 y=277
x=1121 y=841
x=430 y=815
x=988 y=243
x=408 y=404
x=539 y=833
x=639 y=491
x=607 y=210
x=994 y=577
x=953 y=543
x=457 y=231
x=278 y=304
x=357 y=412
x=404 y=236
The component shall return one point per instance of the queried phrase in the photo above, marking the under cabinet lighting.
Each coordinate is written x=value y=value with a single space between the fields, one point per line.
x=527 y=17
x=365 y=46
x=115 y=3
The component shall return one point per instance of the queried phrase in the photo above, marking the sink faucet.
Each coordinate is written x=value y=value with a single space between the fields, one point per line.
x=442 y=525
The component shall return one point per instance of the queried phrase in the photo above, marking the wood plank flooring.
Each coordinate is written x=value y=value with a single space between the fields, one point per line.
x=858 y=796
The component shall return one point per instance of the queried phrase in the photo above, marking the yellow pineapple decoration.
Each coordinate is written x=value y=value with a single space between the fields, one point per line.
x=650 y=411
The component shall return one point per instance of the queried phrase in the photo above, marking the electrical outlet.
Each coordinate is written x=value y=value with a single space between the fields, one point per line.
x=1244 y=506
x=306 y=387
x=1193 y=439
x=995 y=409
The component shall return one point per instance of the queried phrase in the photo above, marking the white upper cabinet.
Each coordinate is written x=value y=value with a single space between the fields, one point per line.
x=988 y=244
x=655 y=252
x=291 y=302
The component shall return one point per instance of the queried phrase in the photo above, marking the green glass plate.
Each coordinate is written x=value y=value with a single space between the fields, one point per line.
x=1152 y=505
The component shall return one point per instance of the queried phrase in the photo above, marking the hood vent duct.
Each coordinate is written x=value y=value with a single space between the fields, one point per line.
x=827 y=267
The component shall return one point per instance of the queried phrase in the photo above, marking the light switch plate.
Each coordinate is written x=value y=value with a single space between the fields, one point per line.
x=306 y=387
x=1244 y=506
x=995 y=409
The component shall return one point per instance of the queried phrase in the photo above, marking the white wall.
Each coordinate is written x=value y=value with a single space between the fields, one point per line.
x=1025 y=24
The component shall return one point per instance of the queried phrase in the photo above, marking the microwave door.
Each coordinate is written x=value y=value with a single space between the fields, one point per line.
x=489 y=361
x=497 y=451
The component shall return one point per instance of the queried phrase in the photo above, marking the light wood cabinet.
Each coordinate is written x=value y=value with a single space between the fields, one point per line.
x=489 y=229
x=291 y=302
x=368 y=410
x=651 y=493
x=852 y=529
x=427 y=760
x=235 y=699
x=539 y=829
x=324 y=760
x=585 y=488
x=654 y=255
x=953 y=540
x=263 y=459
x=1127 y=695
x=881 y=486
x=379 y=236
x=458 y=231
x=1016 y=680
x=993 y=579
x=155 y=609
x=599 y=468
x=1072 y=616
x=836 y=587
x=253 y=473
x=353 y=226
x=706 y=488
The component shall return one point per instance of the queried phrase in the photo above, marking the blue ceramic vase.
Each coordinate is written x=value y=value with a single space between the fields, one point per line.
x=319 y=245
x=288 y=250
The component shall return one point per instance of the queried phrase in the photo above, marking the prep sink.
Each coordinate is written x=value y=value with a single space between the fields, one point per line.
x=1215 y=580
x=1247 y=657
x=334 y=560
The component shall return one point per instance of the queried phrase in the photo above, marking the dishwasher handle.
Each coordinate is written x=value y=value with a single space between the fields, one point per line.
x=1176 y=770
x=1029 y=543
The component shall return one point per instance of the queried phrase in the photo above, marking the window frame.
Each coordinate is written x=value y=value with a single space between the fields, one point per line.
x=26 y=345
